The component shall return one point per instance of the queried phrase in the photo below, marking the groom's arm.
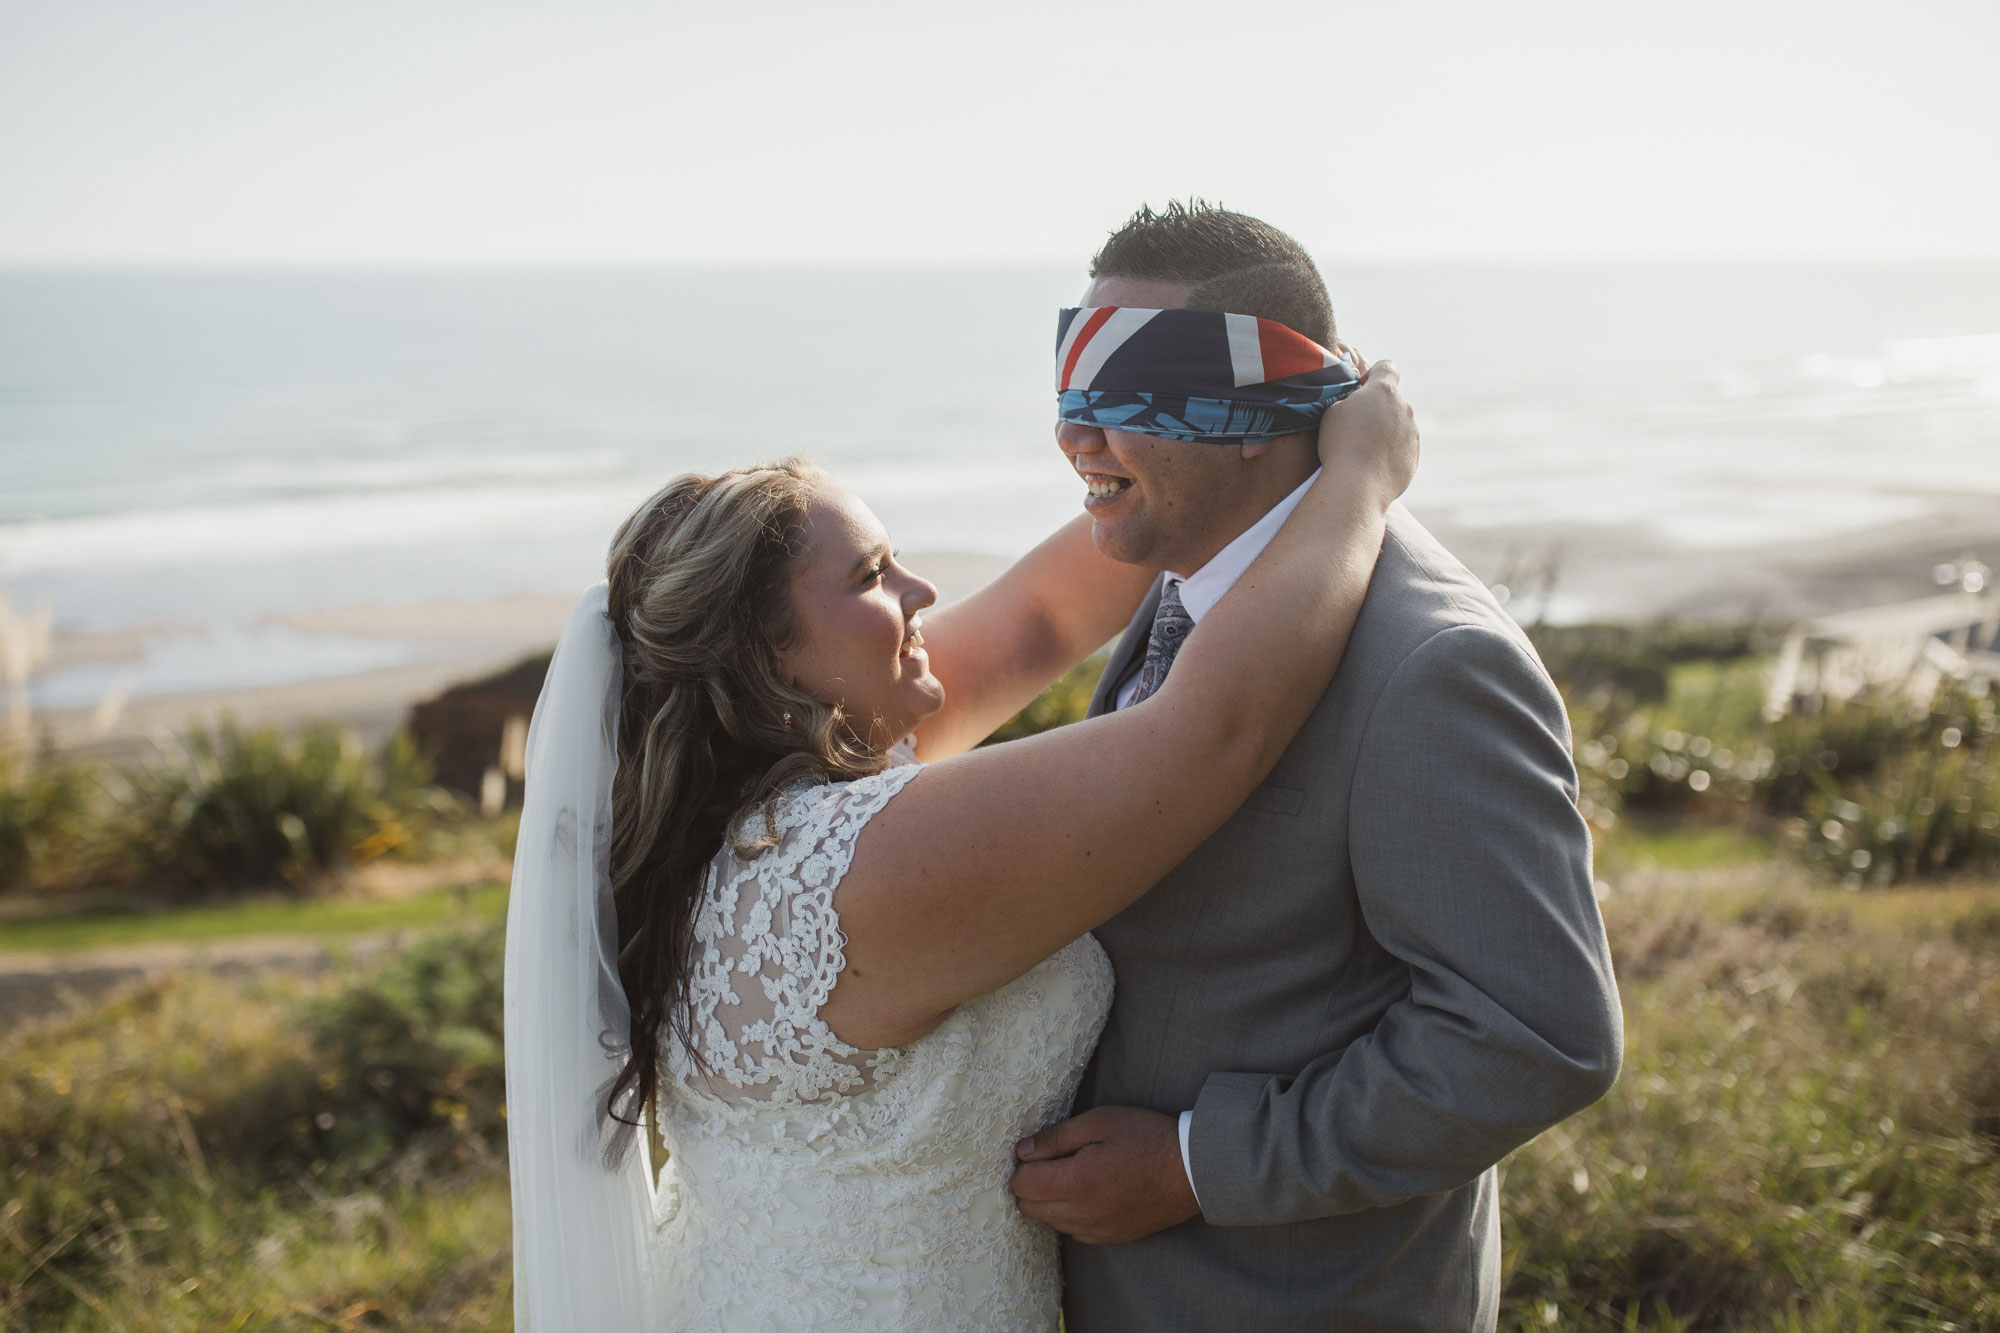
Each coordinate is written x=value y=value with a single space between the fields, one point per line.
x=1473 y=867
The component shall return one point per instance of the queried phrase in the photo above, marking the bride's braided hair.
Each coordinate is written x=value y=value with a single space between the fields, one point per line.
x=700 y=597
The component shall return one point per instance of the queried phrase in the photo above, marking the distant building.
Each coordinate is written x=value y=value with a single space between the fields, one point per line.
x=1908 y=647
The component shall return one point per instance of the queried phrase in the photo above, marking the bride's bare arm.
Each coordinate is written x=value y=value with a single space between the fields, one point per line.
x=997 y=649
x=990 y=862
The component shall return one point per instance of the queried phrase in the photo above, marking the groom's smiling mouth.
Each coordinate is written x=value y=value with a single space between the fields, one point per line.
x=1103 y=487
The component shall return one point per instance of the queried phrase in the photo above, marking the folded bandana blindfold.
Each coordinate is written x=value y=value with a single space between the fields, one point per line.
x=1197 y=375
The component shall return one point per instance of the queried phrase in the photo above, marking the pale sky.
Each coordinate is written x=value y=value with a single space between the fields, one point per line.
x=612 y=131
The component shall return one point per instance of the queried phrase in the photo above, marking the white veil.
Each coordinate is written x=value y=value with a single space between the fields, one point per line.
x=583 y=1230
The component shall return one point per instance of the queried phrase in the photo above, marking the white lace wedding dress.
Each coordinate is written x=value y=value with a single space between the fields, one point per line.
x=810 y=1185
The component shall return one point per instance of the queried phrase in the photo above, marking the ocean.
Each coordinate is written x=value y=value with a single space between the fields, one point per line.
x=196 y=453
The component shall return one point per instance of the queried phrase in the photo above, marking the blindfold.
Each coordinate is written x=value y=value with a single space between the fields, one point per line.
x=1197 y=375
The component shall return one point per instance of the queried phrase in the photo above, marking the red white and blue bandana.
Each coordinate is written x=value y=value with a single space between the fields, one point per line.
x=1196 y=375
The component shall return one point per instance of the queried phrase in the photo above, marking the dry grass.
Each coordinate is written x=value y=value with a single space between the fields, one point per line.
x=201 y=1154
x=1807 y=1131
x=1806 y=1136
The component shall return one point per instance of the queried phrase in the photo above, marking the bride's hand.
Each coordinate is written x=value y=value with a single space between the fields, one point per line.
x=1371 y=435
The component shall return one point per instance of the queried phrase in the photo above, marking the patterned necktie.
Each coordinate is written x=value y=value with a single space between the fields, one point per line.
x=1171 y=624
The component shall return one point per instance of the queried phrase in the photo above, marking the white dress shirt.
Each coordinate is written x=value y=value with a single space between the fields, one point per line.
x=1200 y=591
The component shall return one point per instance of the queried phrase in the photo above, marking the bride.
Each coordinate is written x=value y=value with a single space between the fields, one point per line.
x=770 y=901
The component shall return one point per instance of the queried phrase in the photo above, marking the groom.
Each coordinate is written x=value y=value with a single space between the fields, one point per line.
x=1385 y=972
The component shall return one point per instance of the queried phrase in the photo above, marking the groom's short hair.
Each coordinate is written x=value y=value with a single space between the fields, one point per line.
x=1233 y=262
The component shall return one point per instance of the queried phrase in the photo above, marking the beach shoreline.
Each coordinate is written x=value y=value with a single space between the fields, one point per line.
x=464 y=640
x=1554 y=573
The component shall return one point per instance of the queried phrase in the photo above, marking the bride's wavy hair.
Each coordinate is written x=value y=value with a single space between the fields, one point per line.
x=708 y=729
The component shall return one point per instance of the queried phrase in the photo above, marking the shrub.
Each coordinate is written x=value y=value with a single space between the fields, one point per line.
x=1630 y=665
x=1875 y=790
x=1604 y=663
x=234 y=808
x=50 y=819
x=202 y=1153
x=1925 y=813
x=1064 y=702
x=1660 y=757
x=120 y=1122
x=412 y=1047
x=1850 y=742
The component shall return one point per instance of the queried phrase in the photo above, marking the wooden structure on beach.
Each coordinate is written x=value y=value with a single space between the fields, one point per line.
x=1910 y=648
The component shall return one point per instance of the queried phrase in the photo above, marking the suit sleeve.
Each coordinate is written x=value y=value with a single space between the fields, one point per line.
x=1473 y=867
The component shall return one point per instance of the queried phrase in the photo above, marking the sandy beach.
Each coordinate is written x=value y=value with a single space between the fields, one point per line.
x=471 y=639
x=1626 y=575
x=1594 y=567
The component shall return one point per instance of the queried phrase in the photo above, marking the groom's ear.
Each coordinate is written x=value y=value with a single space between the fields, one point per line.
x=1307 y=439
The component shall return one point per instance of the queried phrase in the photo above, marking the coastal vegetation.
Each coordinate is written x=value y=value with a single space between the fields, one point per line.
x=48 y=820
x=231 y=807
x=1877 y=790
x=203 y=1154
x=1806 y=1134
x=1670 y=725
x=220 y=811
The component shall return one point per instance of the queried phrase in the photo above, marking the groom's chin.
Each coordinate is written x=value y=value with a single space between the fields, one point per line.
x=1120 y=542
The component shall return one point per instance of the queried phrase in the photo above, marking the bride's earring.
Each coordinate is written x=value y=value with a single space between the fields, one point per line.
x=788 y=720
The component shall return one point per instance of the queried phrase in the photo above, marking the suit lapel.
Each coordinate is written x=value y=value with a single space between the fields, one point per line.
x=1131 y=646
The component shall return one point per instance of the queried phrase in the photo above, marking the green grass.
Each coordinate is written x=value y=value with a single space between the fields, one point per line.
x=1683 y=847
x=318 y=918
x=1723 y=698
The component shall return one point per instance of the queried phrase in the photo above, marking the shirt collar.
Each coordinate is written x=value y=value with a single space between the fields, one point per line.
x=1201 y=590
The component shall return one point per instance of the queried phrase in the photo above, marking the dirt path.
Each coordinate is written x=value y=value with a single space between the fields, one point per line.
x=36 y=985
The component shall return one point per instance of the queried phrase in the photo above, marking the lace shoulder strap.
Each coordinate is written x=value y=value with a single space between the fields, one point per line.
x=768 y=948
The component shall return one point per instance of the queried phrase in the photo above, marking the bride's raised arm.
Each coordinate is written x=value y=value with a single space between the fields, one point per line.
x=989 y=862
x=997 y=649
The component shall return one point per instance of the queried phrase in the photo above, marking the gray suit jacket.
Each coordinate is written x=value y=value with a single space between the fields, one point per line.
x=1385 y=972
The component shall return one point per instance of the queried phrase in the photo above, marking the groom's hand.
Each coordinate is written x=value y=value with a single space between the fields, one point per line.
x=1107 y=1177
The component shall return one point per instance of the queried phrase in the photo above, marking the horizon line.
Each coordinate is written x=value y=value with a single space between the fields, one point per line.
x=14 y=265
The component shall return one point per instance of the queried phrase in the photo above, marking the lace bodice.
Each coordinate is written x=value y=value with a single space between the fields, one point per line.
x=768 y=949
x=813 y=1185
